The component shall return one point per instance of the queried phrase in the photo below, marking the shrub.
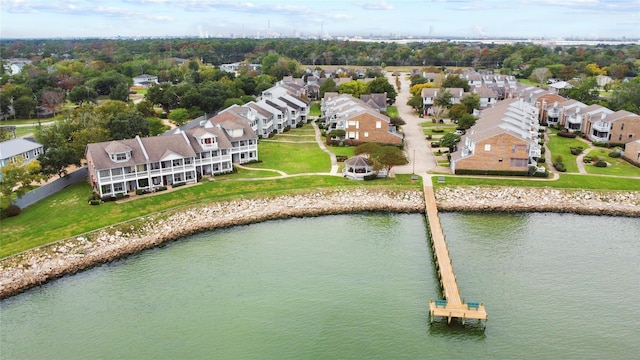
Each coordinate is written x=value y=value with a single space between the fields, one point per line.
x=587 y=159
x=576 y=150
x=161 y=188
x=615 y=154
x=540 y=142
x=119 y=195
x=429 y=137
x=599 y=144
x=437 y=130
x=558 y=159
x=287 y=128
x=300 y=124
x=566 y=134
x=94 y=202
x=560 y=167
x=178 y=184
x=542 y=150
x=601 y=163
x=140 y=192
x=341 y=158
x=370 y=177
x=541 y=159
x=12 y=210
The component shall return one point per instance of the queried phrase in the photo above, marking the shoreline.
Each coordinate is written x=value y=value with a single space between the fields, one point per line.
x=40 y=265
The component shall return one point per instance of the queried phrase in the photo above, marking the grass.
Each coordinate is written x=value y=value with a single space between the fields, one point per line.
x=292 y=158
x=342 y=150
x=437 y=125
x=561 y=146
x=566 y=181
x=74 y=217
x=314 y=110
x=392 y=111
x=619 y=167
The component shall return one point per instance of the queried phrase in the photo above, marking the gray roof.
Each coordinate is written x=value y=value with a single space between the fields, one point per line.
x=13 y=147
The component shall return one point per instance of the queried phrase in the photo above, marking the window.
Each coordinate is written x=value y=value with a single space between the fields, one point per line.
x=378 y=124
x=117 y=171
x=105 y=189
x=517 y=162
x=104 y=173
x=118 y=187
x=487 y=147
x=177 y=162
x=155 y=166
x=621 y=126
x=188 y=161
x=499 y=159
x=366 y=134
x=177 y=177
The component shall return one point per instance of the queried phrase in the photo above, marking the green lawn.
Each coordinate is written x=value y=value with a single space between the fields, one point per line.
x=392 y=111
x=314 y=110
x=566 y=181
x=342 y=150
x=619 y=167
x=67 y=214
x=561 y=146
x=432 y=124
x=292 y=158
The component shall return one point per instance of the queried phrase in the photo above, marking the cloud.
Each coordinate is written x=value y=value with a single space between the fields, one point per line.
x=375 y=5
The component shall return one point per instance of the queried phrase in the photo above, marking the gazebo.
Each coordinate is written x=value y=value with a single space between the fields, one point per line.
x=357 y=168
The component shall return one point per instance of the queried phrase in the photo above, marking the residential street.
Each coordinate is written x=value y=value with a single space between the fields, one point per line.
x=418 y=150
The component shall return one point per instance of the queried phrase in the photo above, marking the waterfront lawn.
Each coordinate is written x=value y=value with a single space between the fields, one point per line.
x=566 y=181
x=67 y=213
x=619 y=167
x=292 y=158
x=561 y=146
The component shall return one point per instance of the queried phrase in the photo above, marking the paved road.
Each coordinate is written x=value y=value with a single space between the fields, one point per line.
x=417 y=149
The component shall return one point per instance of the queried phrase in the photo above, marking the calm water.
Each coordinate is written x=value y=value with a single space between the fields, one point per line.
x=353 y=286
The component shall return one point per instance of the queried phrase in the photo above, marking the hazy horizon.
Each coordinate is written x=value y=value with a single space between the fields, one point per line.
x=550 y=19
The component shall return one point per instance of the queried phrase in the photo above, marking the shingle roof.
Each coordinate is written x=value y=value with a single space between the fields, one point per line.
x=13 y=147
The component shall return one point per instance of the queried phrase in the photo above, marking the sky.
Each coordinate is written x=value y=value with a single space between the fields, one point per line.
x=551 y=19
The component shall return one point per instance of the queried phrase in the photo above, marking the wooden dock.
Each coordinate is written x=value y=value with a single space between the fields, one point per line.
x=452 y=306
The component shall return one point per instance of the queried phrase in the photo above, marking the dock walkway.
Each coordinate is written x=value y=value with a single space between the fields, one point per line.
x=452 y=307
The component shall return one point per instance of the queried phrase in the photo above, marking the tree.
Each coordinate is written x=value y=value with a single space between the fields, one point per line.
x=51 y=100
x=145 y=107
x=416 y=102
x=55 y=160
x=466 y=121
x=443 y=99
x=585 y=90
x=540 y=75
x=179 y=116
x=354 y=87
x=119 y=92
x=127 y=126
x=471 y=102
x=25 y=106
x=417 y=88
x=367 y=148
x=386 y=157
x=626 y=96
x=81 y=94
x=328 y=86
x=156 y=127
x=381 y=85
x=457 y=111
x=17 y=177
x=455 y=82
x=449 y=140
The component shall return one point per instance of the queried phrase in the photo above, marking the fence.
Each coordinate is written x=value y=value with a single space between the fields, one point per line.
x=51 y=188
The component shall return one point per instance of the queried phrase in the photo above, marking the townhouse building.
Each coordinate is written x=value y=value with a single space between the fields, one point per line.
x=504 y=140
x=182 y=155
x=19 y=150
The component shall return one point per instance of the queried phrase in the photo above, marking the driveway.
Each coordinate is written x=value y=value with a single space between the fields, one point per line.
x=418 y=150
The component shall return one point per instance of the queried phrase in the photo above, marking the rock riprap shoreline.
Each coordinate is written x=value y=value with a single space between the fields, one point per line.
x=514 y=199
x=39 y=265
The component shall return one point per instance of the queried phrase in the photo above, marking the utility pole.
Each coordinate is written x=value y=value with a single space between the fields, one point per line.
x=414 y=162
